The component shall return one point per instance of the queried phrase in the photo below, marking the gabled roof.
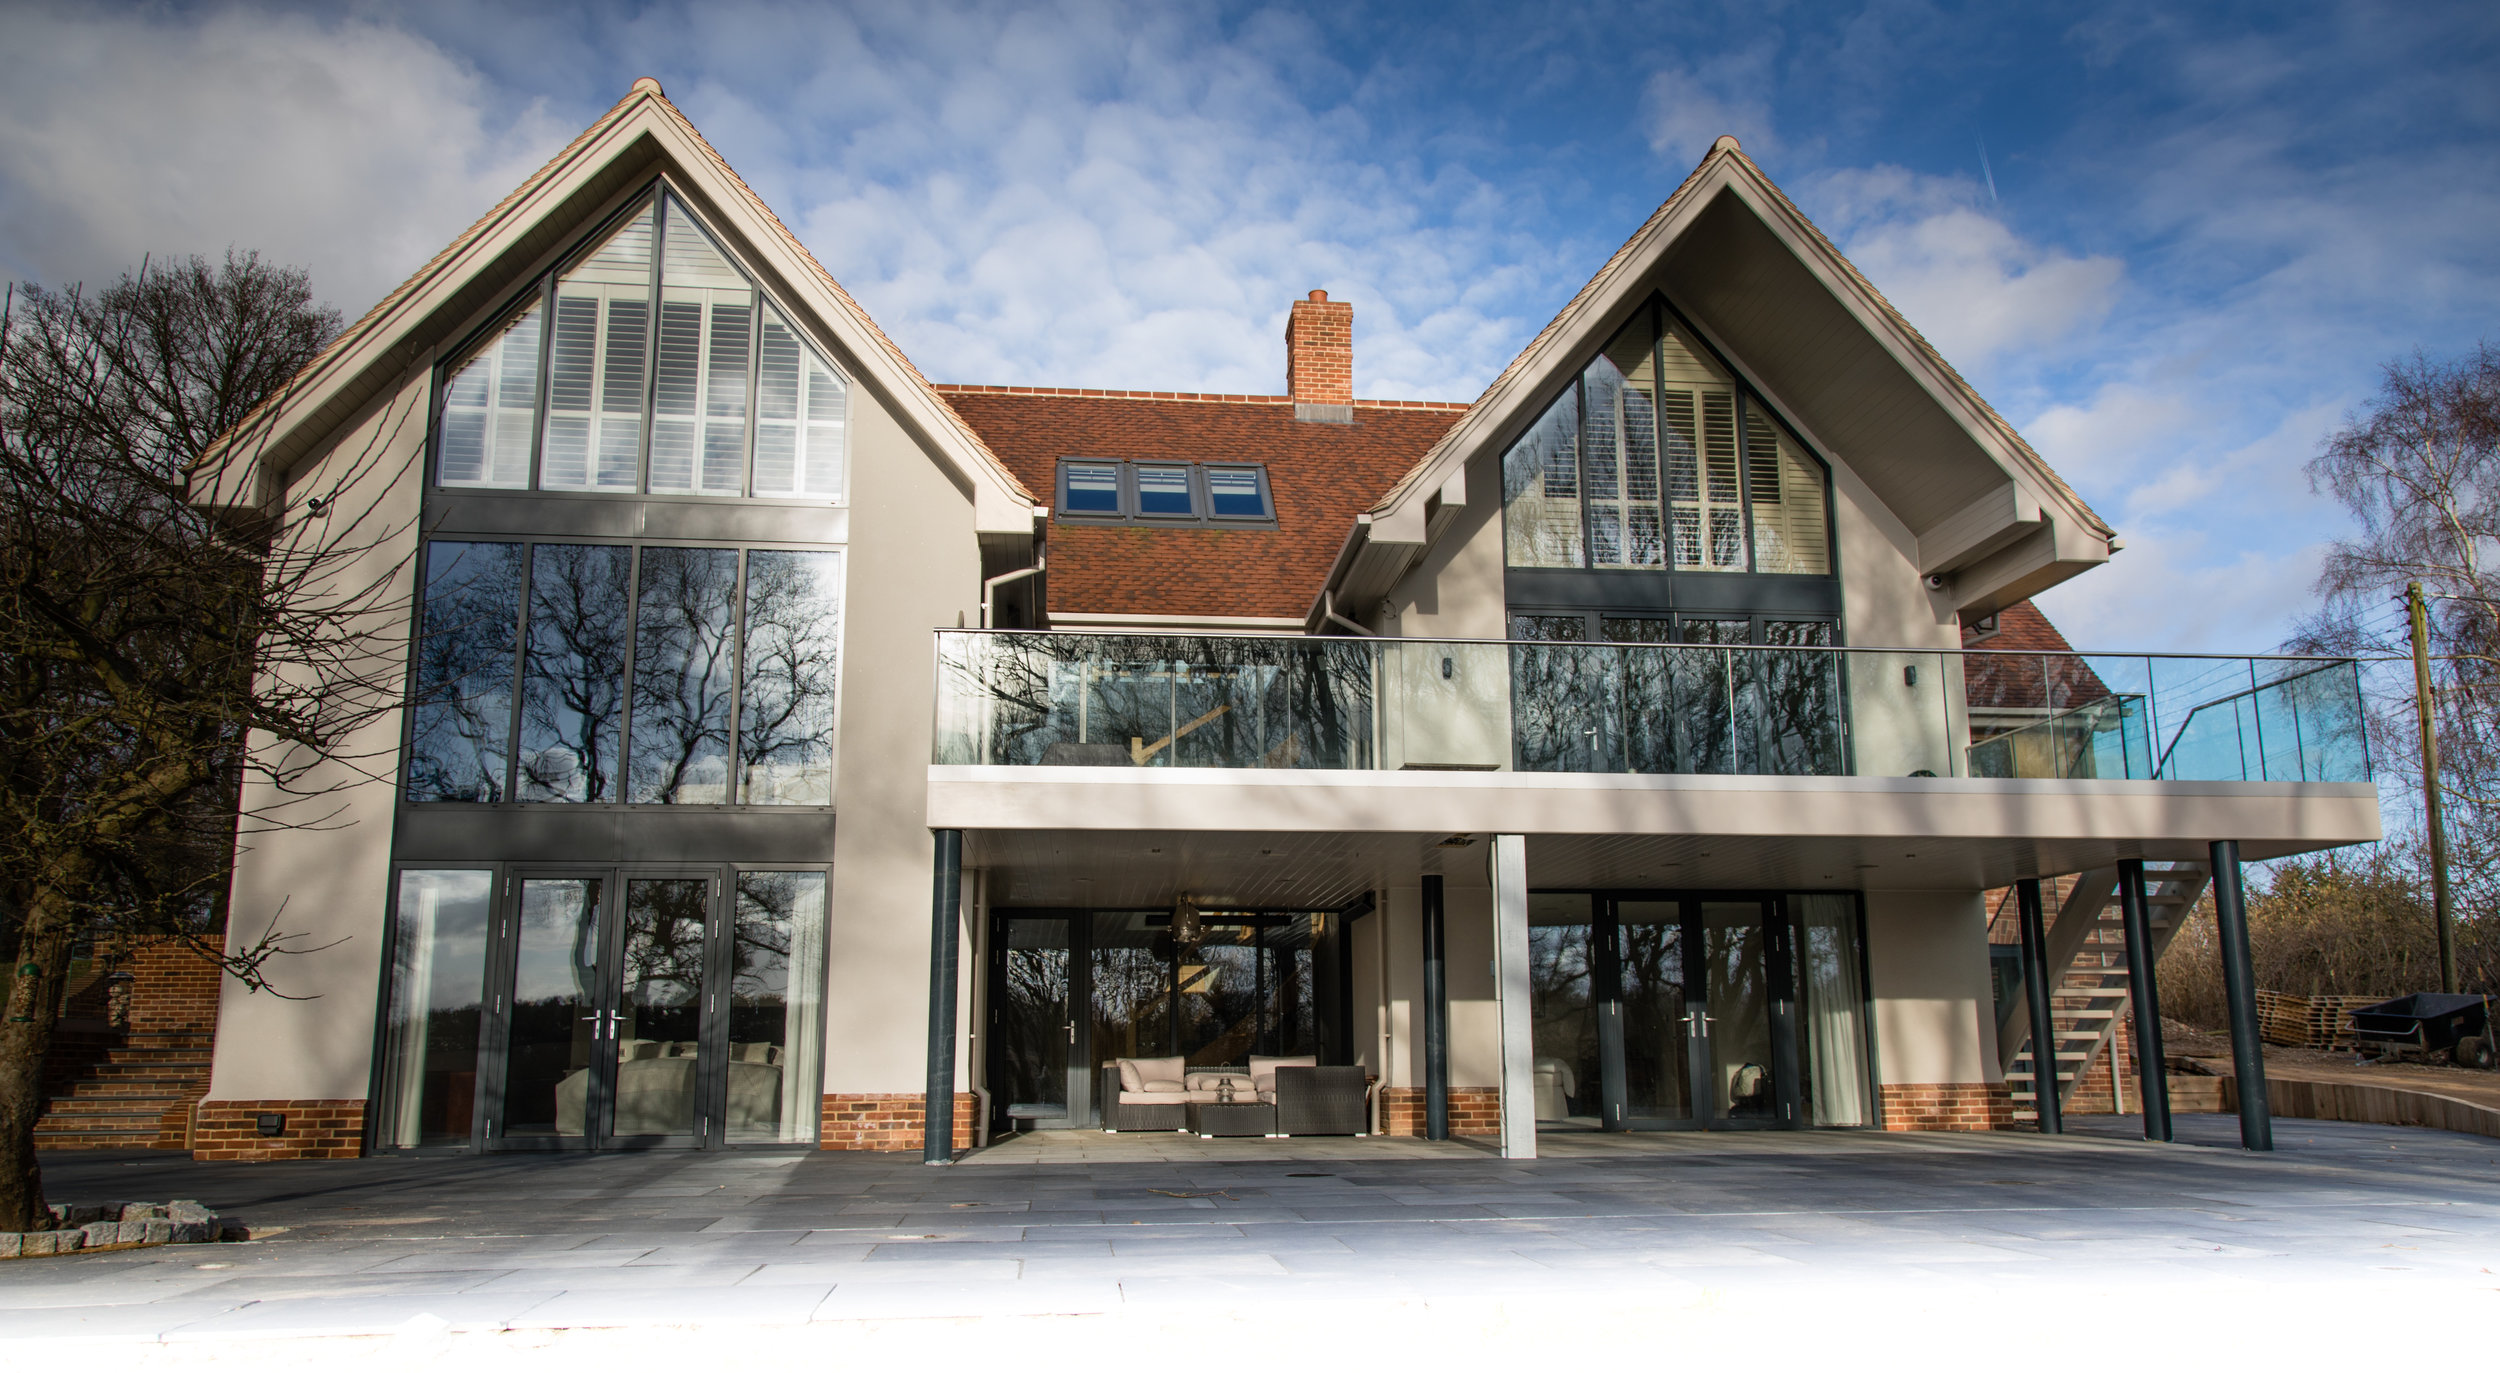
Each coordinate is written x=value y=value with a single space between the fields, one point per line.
x=1320 y=475
x=642 y=135
x=1766 y=288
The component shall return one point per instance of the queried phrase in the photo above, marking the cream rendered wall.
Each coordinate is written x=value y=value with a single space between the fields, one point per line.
x=1456 y=591
x=1904 y=707
x=1927 y=965
x=1475 y=1016
x=328 y=886
x=914 y=567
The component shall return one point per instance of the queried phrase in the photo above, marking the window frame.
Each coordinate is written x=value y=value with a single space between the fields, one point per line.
x=1665 y=317
x=653 y=197
x=1202 y=514
x=519 y=669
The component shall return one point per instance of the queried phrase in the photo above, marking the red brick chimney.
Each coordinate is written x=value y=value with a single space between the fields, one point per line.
x=1319 y=359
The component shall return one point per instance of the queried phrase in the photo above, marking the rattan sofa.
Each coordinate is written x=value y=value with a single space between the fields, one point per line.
x=1309 y=1101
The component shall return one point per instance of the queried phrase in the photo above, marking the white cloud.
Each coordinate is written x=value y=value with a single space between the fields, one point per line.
x=1972 y=285
x=1688 y=107
x=2186 y=591
x=350 y=148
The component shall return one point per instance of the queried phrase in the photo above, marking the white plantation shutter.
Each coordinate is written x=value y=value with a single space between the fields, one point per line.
x=490 y=400
x=801 y=408
x=598 y=363
x=1791 y=528
x=1705 y=497
x=699 y=397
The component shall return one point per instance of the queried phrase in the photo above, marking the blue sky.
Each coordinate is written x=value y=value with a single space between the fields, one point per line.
x=2172 y=244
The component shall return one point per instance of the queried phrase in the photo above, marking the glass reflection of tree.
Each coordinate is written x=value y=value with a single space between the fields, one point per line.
x=759 y=954
x=1132 y=988
x=1800 y=702
x=682 y=676
x=1564 y=703
x=663 y=971
x=1166 y=701
x=1654 y=1034
x=573 y=693
x=785 y=710
x=463 y=705
x=1562 y=1000
x=1220 y=1007
x=1032 y=1013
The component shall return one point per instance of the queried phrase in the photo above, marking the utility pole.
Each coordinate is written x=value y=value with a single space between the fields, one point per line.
x=2417 y=608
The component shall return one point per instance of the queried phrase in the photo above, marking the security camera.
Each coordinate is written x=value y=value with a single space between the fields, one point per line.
x=1935 y=582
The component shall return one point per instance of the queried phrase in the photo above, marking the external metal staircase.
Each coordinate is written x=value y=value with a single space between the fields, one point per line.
x=2089 y=996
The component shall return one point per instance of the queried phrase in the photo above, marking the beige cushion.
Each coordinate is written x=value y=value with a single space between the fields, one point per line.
x=1154 y=1098
x=1263 y=1070
x=1165 y=1084
x=1210 y=1079
x=1136 y=1072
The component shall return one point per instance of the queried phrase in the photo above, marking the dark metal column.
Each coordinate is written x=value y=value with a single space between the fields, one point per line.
x=937 y=1131
x=2239 y=994
x=1436 y=1016
x=2036 y=997
x=2151 y=1080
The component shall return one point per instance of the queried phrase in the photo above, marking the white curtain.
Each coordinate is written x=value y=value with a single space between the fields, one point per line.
x=411 y=990
x=1835 y=1010
x=802 y=1057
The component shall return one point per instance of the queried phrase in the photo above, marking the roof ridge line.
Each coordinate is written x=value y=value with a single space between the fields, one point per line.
x=1209 y=397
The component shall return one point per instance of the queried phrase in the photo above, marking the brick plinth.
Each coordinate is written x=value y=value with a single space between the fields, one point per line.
x=885 y=1123
x=1473 y=1110
x=1947 y=1106
x=314 y=1129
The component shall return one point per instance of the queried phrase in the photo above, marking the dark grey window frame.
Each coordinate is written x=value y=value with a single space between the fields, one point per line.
x=1201 y=497
x=492 y=1055
x=1664 y=315
x=625 y=709
x=653 y=197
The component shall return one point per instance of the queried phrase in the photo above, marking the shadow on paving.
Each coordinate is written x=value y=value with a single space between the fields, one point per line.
x=519 y=1242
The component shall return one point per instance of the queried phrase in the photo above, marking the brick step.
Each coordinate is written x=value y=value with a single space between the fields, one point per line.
x=93 y=1108
x=125 y=1090
x=170 y=1067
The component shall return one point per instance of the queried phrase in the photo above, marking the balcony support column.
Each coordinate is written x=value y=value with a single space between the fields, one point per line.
x=2144 y=997
x=937 y=1112
x=2036 y=999
x=1436 y=1013
x=1509 y=860
x=2239 y=994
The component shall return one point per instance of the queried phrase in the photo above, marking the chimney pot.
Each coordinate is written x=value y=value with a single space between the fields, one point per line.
x=1319 y=358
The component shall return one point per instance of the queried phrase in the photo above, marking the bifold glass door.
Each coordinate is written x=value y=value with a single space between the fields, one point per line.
x=1070 y=991
x=1656 y=1012
x=597 y=1008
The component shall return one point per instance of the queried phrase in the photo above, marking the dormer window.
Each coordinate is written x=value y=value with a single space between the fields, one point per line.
x=1206 y=495
x=666 y=371
x=1654 y=457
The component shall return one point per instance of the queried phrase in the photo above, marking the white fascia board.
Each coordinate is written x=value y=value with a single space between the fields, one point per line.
x=387 y=338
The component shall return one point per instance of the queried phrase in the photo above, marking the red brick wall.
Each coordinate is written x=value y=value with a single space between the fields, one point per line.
x=890 y=1124
x=1319 y=351
x=172 y=989
x=314 y=1129
x=1473 y=1110
x=1947 y=1106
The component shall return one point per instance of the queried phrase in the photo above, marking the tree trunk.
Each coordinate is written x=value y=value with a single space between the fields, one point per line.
x=41 y=968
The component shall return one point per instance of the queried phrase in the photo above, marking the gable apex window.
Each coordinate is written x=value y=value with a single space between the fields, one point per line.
x=646 y=362
x=1205 y=494
x=1654 y=457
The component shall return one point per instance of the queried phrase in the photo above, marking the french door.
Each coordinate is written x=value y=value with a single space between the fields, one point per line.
x=607 y=1036
x=1662 y=1012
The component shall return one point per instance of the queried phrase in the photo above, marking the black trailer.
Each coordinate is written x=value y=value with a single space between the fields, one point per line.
x=2425 y=1023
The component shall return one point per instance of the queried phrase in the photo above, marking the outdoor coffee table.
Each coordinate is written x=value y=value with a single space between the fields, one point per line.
x=1210 y=1119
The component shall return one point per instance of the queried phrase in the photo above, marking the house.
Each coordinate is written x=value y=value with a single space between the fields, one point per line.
x=800 y=754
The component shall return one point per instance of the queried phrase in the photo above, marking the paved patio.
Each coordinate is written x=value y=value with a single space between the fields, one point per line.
x=1832 y=1245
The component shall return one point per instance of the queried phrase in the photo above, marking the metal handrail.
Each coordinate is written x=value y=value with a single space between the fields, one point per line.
x=2320 y=658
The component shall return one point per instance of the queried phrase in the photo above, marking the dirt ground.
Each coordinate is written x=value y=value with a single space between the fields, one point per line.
x=2479 y=1086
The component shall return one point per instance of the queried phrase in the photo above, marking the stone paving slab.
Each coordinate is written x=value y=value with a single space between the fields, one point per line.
x=1239 y=1231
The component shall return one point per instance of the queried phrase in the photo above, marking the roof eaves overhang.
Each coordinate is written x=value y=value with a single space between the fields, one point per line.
x=443 y=301
x=2017 y=505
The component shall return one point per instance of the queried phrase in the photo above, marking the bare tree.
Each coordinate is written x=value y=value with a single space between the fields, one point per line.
x=172 y=637
x=2419 y=468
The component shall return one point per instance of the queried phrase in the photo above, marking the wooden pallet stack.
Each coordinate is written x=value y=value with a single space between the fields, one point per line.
x=2310 y=1022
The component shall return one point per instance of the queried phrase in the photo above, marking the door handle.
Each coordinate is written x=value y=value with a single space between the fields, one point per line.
x=1071 y=1032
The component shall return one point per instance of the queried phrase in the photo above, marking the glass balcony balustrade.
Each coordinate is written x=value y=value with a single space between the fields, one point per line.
x=1017 y=698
